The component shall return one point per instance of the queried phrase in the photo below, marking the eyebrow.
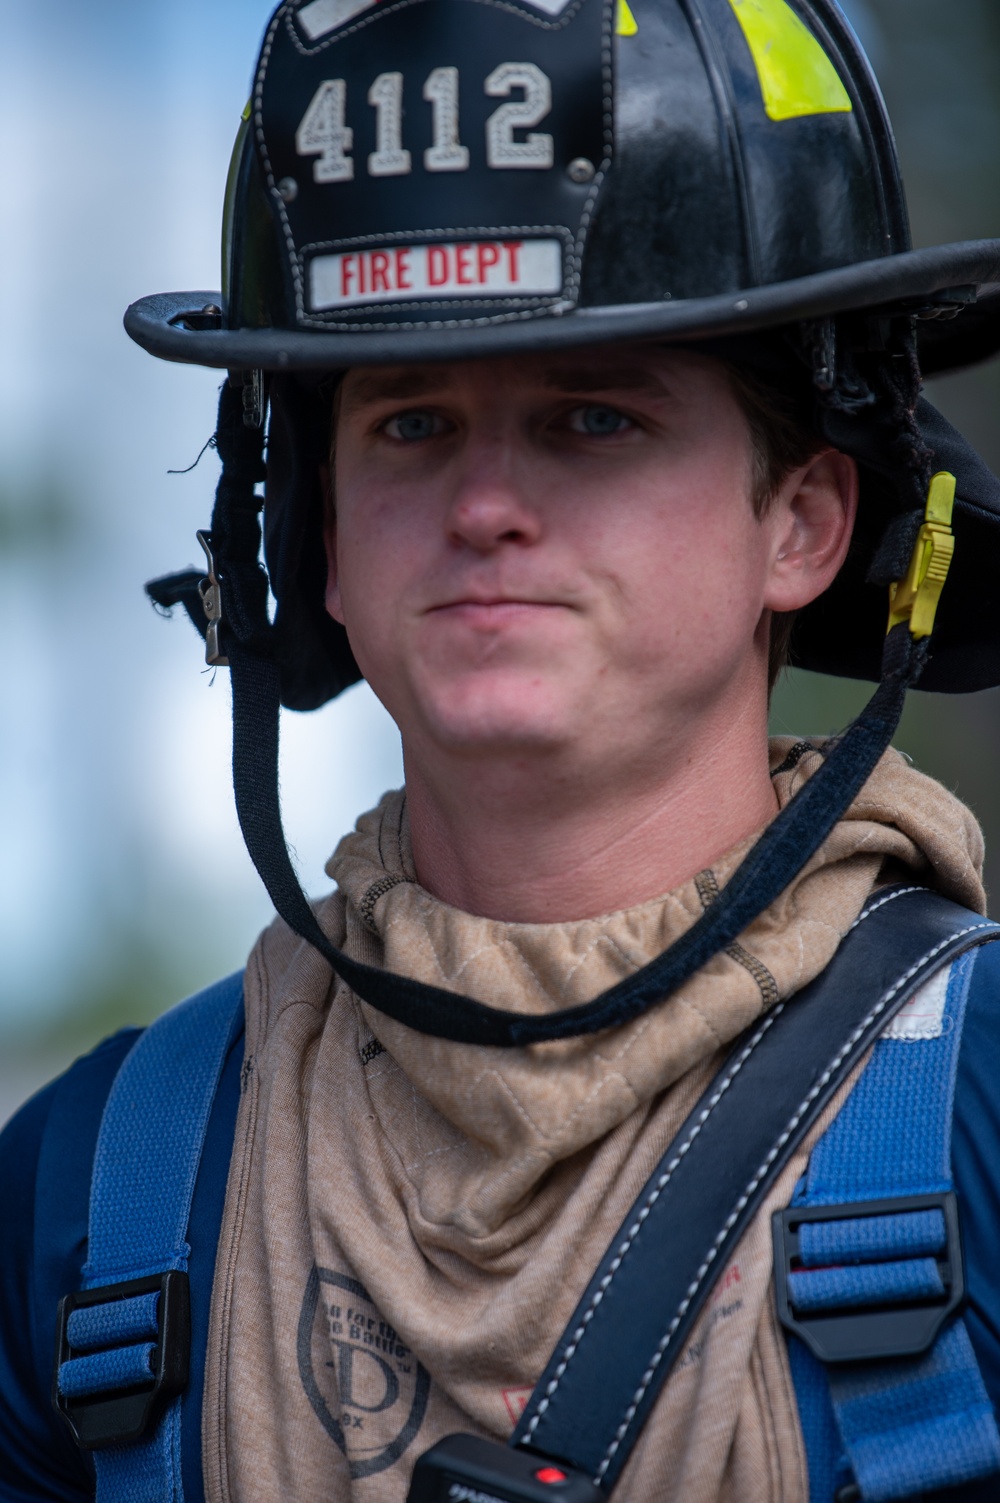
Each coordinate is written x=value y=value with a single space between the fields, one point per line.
x=393 y=386
x=610 y=378
x=411 y=384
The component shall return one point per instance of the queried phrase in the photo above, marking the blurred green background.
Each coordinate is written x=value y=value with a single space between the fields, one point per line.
x=123 y=882
x=939 y=67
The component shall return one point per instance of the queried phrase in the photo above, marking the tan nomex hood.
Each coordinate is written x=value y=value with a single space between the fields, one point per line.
x=410 y=1222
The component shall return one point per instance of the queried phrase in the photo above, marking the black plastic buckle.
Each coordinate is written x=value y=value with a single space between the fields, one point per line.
x=878 y=1332
x=124 y=1415
x=468 y=1469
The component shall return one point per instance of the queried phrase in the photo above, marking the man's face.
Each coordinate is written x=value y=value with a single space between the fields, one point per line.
x=550 y=553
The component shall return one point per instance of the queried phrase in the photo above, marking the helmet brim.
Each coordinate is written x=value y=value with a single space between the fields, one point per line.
x=172 y=325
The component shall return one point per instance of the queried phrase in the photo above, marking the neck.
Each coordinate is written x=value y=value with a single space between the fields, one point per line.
x=553 y=838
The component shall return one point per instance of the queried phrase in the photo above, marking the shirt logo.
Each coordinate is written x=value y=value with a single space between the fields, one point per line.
x=366 y=1387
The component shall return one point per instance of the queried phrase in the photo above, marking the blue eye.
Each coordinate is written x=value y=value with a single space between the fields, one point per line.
x=599 y=422
x=411 y=427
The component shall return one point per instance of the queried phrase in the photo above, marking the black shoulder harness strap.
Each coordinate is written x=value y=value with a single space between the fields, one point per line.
x=631 y=1324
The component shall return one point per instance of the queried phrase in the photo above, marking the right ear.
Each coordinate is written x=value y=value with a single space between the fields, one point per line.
x=333 y=603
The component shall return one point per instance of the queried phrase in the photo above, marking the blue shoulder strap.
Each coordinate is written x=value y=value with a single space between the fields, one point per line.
x=124 y=1338
x=605 y=1374
x=875 y=1234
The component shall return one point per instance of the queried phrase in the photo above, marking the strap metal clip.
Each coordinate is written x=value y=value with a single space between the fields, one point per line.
x=254 y=395
x=211 y=599
x=915 y=597
x=879 y=1285
x=113 y=1378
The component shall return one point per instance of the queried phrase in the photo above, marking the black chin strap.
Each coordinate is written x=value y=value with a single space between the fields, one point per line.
x=777 y=857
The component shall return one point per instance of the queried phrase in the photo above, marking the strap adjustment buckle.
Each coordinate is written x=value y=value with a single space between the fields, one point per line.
x=869 y=1280
x=915 y=597
x=122 y=1353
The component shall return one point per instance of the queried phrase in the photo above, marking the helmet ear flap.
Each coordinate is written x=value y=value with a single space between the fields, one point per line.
x=312 y=651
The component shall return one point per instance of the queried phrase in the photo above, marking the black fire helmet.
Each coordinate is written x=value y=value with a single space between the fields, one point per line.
x=420 y=180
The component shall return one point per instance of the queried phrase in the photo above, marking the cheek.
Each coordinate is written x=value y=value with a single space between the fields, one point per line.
x=365 y=574
x=378 y=551
x=692 y=564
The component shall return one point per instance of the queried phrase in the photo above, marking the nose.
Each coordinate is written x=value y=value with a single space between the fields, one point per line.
x=489 y=506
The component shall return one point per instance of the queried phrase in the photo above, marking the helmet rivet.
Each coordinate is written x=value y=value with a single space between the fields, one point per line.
x=288 y=189
x=581 y=170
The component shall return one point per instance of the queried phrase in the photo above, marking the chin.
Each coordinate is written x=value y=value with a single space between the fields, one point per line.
x=495 y=720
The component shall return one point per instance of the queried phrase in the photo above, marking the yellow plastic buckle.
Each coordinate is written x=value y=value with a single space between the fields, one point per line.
x=915 y=597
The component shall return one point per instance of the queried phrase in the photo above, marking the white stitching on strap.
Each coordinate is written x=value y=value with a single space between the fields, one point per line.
x=890 y=897
x=634 y=1229
x=675 y=1161
x=751 y=1187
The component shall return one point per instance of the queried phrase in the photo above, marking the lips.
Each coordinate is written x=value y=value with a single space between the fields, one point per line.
x=495 y=608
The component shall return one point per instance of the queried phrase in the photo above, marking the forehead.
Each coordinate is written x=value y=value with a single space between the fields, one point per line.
x=666 y=373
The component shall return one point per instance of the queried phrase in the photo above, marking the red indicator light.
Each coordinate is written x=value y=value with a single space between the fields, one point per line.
x=550 y=1474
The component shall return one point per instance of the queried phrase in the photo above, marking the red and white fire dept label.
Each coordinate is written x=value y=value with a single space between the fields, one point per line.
x=464 y=268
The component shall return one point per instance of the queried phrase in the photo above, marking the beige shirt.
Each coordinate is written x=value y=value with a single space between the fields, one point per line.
x=410 y=1222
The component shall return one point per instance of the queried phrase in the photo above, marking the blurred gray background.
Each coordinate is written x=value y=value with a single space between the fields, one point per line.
x=123 y=879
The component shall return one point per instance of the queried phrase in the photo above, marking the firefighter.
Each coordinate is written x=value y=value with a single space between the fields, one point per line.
x=577 y=346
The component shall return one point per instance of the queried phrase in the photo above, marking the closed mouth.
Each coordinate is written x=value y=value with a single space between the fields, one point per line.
x=504 y=605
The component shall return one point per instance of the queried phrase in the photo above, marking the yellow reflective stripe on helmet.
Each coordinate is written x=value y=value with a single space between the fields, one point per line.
x=796 y=76
x=625 y=24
